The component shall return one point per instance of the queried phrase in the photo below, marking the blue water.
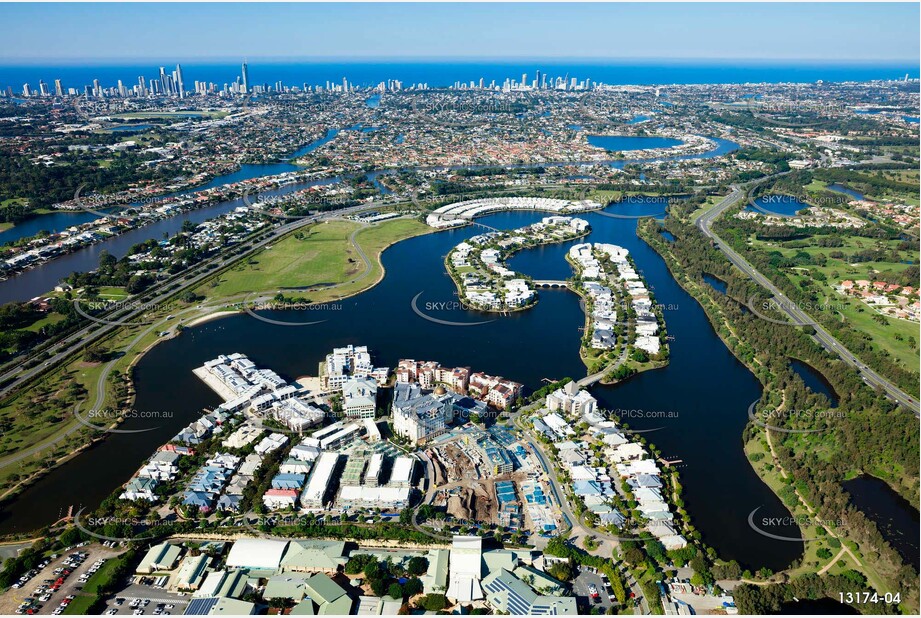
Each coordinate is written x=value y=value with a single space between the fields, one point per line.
x=374 y=101
x=716 y=283
x=40 y=279
x=638 y=119
x=896 y=518
x=843 y=189
x=58 y=221
x=130 y=128
x=620 y=143
x=816 y=382
x=574 y=127
x=369 y=74
x=54 y=222
x=913 y=119
x=704 y=432
x=784 y=205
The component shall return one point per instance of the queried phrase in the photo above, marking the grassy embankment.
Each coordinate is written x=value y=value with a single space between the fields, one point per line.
x=322 y=259
x=42 y=413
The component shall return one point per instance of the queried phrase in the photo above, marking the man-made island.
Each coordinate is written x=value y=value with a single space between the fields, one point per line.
x=623 y=321
x=478 y=264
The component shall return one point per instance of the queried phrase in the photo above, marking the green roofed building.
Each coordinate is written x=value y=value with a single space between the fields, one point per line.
x=314 y=556
x=224 y=584
x=436 y=578
x=285 y=587
x=191 y=573
x=232 y=607
x=327 y=597
x=162 y=557
x=506 y=559
x=304 y=608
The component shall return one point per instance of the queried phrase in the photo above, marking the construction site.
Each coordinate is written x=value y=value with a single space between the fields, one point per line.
x=479 y=479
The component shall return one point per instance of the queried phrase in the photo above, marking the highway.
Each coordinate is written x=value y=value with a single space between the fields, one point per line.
x=789 y=308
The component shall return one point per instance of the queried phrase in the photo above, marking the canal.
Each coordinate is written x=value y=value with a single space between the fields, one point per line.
x=44 y=277
x=706 y=389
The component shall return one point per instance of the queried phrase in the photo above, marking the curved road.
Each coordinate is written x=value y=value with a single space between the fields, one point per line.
x=797 y=316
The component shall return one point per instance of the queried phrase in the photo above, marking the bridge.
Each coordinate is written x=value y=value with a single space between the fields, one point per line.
x=551 y=283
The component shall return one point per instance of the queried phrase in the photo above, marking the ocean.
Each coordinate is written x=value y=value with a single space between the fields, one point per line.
x=446 y=73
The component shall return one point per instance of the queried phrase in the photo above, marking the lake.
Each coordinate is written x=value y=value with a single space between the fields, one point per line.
x=704 y=385
x=815 y=381
x=842 y=189
x=896 y=518
x=716 y=283
x=626 y=143
x=783 y=205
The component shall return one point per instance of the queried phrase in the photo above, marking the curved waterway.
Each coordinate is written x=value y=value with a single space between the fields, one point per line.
x=42 y=278
x=61 y=220
x=783 y=205
x=624 y=143
x=705 y=387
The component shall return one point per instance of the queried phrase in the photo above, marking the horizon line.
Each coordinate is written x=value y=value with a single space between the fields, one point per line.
x=318 y=59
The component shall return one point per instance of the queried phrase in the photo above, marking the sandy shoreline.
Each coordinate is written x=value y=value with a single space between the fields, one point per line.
x=213 y=316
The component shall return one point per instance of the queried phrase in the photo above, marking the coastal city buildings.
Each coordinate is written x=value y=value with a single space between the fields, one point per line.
x=137 y=207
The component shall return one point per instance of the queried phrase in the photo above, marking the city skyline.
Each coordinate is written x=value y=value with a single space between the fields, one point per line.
x=801 y=32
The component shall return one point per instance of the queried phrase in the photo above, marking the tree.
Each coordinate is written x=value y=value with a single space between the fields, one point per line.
x=562 y=571
x=412 y=587
x=417 y=565
x=433 y=602
x=395 y=590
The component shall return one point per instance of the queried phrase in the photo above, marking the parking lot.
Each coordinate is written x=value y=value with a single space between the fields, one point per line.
x=56 y=582
x=582 y=586
x=143 y=600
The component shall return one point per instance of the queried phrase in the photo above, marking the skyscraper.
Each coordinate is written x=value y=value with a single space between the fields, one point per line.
x=58 y=88
x=245 y=77
x=180 y=84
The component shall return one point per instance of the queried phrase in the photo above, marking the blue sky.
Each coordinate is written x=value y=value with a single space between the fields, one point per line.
x=779 y=31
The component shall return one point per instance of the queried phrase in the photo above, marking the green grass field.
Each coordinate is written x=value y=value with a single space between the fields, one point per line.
x=892 y=334
x=321 y=255
x=181 y=114
x=80 y=605
x=103 y=575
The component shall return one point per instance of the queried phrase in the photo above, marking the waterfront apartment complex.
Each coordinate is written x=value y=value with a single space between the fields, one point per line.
x=349 y=362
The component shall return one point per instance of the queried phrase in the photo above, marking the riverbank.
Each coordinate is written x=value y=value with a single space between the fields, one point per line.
x=133 y=342
x=759 y=449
